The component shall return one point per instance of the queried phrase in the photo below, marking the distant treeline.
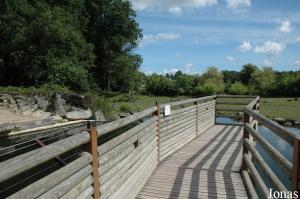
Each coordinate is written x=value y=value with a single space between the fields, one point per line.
x=250 y=80
x=88 y=45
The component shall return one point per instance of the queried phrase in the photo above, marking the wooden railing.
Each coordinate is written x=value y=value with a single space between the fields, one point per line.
x=114 y=160
x=252 y=159
x=231 y=105
x=110 y=160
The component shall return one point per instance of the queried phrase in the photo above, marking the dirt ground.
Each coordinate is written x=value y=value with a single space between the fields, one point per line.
x=8 y=116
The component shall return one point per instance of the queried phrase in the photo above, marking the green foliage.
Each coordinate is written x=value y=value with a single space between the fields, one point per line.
x=126 y=108
x=70 y=43
x=247 y=73
x=43 y=90
x=115 y=33
x=231 y=76
x=238 y=88
x=211 y=82
x=209 y=88
x=264 y=79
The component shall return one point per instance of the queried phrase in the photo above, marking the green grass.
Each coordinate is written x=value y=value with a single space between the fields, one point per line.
x=286 y=108
x=141 y=102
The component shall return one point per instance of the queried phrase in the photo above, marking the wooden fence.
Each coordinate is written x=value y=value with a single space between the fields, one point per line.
x=112 y=160
x=253 y=161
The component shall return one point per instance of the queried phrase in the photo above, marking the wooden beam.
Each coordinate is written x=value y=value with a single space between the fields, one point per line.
x=245 y=136
x=197 y=115
x=158 y=131
x=296 y=166
x=57 y=158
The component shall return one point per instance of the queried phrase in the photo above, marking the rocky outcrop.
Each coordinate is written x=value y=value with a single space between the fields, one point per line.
x=78 y=100
x=79 y=115
x=6 y=127
x=99 y=116
x=279 y=120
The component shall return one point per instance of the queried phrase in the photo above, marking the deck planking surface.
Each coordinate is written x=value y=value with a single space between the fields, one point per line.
x=206 y=167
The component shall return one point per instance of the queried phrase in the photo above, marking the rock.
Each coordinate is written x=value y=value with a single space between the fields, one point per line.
x=296 y=99
x=78 y=100
x=287 y=124
x=34 y=123
x=289 y=100
x=296 y=122
x=124 y=114
x=41 y=103
x=79 y=115
x=279 y=120
x=57 y=105
x=6 y=127
x=98 y=115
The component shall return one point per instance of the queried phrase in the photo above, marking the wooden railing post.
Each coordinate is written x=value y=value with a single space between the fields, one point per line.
x=296 y=166
x=245 y=135
x=216 y=108
x=158 y=131
x=197 y=116
x=92 y=147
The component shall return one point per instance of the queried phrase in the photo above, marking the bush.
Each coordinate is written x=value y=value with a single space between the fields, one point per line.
x=43 y=90
x=238 y=89
x=126 y=108
x=209 y=88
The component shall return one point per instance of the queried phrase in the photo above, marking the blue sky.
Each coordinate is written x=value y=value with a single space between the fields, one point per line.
x=190 y=35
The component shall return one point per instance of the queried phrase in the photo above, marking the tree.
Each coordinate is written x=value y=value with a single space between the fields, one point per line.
x=42 y=43
x=211 y=82
x=264 y=80
x=247 y=73
x=231 y=76
x=115 y=33
x=238 y=88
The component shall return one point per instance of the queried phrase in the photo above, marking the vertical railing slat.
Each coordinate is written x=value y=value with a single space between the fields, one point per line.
x=158 y=131
x=197 y=116
x=296 y=166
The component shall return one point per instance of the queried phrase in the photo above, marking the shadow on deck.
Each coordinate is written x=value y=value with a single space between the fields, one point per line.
x=206 y=167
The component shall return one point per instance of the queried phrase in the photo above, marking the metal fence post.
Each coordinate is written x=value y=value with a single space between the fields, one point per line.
x=92 y=147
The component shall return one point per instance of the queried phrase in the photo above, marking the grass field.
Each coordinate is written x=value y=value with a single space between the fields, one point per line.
x=286 y=108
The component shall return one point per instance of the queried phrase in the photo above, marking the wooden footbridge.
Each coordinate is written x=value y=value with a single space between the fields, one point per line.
x=174 y=150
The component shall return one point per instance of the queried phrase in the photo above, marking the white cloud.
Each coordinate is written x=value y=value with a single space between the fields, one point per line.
x=245 y=47
x=173 y=6
x=161 y=36
x=170 y=71
x=229 y=58
x=285 y=27
x=297 y=63
x=178 y=54
x=238 y=5
x=270 y=48
x=175 y=10
x=188 y=67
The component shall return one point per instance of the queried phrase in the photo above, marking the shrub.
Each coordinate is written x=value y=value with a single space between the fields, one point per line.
x=238 y=89
x=125 y=108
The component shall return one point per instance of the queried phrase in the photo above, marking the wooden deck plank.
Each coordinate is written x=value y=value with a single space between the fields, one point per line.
x=206 y=167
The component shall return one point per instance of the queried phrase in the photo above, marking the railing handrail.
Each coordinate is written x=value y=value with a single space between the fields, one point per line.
x=251 y=119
